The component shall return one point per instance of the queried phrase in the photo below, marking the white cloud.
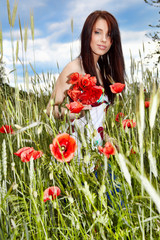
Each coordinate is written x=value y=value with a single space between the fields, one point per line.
x=83 y=8
x=49 y=52
x=16 y=33
x=57 y=29
x=25 y=6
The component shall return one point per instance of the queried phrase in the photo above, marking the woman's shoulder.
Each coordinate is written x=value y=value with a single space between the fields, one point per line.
x=74 y=66
x=71 y=67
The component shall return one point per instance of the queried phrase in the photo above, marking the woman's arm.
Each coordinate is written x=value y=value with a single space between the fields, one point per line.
x=60 y=92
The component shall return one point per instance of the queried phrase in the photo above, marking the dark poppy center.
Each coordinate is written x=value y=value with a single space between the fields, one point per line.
x=63 y=148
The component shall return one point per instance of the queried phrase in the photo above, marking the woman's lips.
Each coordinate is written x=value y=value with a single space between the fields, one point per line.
x=102 y=47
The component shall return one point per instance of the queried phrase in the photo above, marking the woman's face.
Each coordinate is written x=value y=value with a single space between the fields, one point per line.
x=100 y=39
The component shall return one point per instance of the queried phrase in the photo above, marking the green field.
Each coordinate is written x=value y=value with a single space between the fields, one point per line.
x=89 y=206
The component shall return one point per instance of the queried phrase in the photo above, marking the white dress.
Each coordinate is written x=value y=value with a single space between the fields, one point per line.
x=88 y=129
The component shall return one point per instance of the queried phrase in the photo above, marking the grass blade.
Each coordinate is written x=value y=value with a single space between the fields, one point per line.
x=32 y=25
x=25 y=38
x=9 y=13
x=14 y=13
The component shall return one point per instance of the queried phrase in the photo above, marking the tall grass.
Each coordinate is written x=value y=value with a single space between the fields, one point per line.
x=90 y=205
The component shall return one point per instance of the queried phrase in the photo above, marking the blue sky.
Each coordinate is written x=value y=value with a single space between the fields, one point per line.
x=53 y=35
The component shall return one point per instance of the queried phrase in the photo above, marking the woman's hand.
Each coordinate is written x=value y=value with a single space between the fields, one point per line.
x=87 y=107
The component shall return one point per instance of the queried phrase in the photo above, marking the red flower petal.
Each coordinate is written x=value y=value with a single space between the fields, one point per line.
x=117 y=87
x=132 y=151
x=26 y=153
x=128 y=123
x=63 y=147
x=34 y=154
x=6 y=129
x=147 y=104
x=51 y=191
x=107 y=150
x=91 y=95
x=19 y=152
x=74 y=78
x=120 y=114
x=74 y=94
x=87 y=81
x=75 y=107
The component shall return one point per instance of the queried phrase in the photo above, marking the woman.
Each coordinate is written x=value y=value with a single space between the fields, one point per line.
x=101 y=56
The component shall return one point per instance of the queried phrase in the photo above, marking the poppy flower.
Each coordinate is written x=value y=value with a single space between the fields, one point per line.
x=74 y=94
x=147 y=103
x=74 y=78
x=117 y=87
x=84 y=98
x=51 y=193
x=128 y=123
x=76 y=87
x=119 y=115
x=132 y=151
x=6 y=129
x=26 y=153
x=95 y=93
x=91 y=95
x=107 y=150
x=63 y=147
x=75 y=107
x=87 y=81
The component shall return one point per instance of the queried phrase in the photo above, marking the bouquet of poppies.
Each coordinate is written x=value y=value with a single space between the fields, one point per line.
x=84 y=91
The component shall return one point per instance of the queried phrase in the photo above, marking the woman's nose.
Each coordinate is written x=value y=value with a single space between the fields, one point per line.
x=104 y=38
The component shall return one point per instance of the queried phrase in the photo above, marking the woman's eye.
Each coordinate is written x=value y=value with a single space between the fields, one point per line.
x=96 y=32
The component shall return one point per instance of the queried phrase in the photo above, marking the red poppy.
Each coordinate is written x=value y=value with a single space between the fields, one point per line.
x=107 y=150
x=84 y=98
x=6 y=129
x=91 y=95
x=74 y=78
x=76 y=87
x=147 y=103
x=117 y=87
x=119 y=115
x=75 y=107
x=26 y=153
x=63 y=147
x=132 y=151
x=51 y=192
x=95 y=93
x=87 y=81
x=74 y=94
x=128 y=123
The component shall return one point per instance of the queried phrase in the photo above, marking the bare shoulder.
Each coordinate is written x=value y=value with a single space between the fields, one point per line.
x=62 y=83
x=73 y=66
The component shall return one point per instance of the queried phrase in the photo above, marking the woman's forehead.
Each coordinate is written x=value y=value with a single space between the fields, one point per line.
x=101 y=24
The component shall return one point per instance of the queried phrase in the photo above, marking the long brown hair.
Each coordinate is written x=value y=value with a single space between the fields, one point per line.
x=112 y=63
